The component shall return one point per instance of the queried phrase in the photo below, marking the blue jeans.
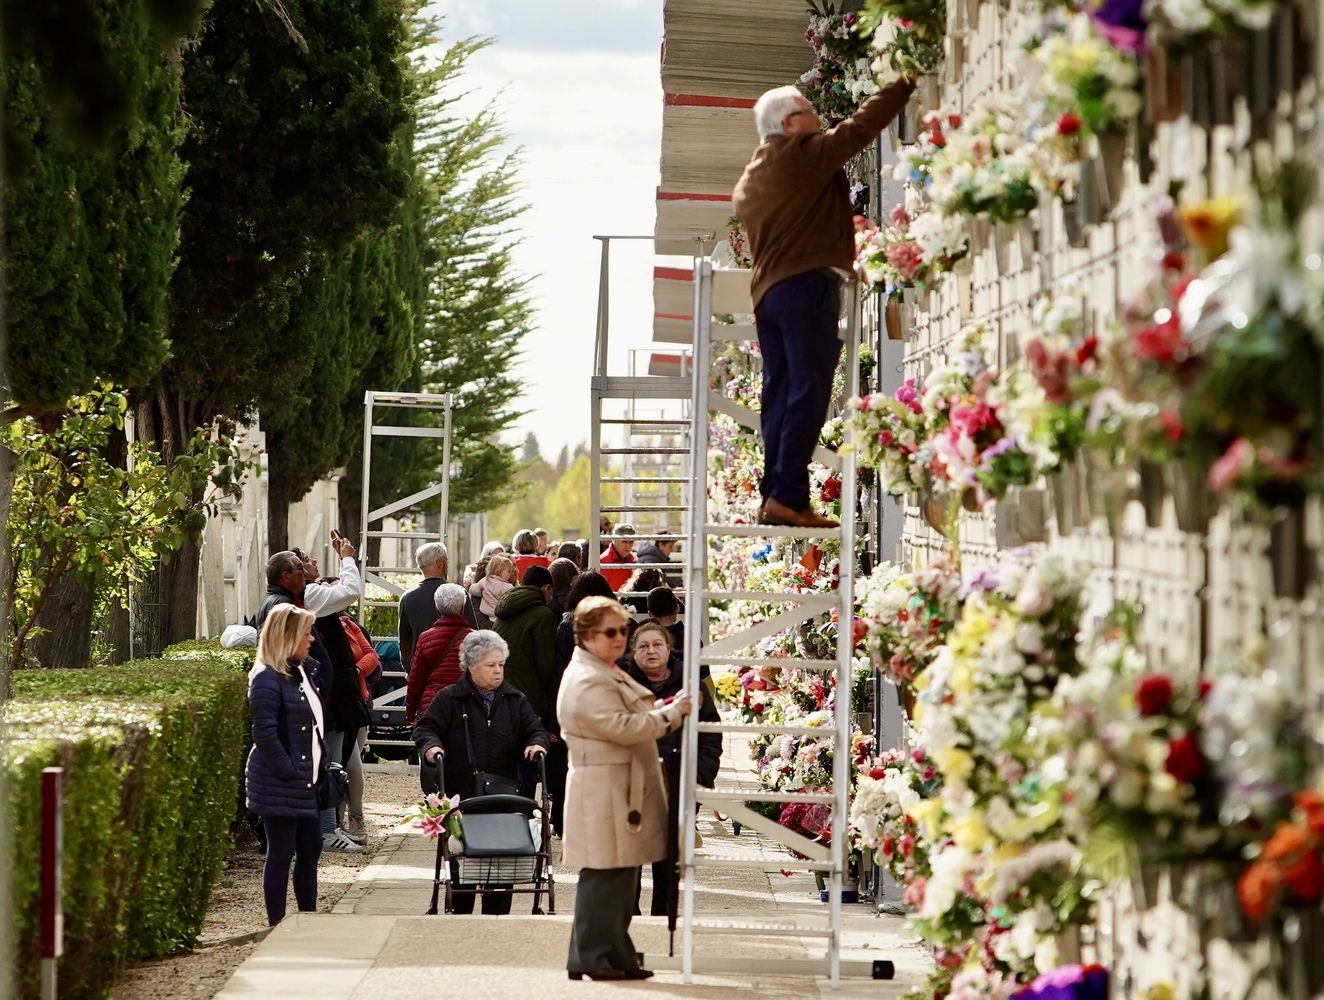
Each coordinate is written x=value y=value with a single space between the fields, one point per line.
x=797 y=325
x=335 y=746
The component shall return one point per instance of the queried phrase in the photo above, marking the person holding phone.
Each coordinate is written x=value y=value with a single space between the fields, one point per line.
x=616 y=798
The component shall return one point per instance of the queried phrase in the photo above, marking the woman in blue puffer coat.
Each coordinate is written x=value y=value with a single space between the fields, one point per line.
x=286 y=758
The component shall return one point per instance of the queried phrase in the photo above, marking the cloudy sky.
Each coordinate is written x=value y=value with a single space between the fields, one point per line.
x=577 y=84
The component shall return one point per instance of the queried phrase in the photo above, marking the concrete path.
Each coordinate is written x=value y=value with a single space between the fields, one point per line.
x=377 y=945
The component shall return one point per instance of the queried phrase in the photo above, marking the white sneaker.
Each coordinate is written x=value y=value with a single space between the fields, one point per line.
x=339 y=840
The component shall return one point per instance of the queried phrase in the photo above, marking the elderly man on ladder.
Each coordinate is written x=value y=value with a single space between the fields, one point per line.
x=794 y=203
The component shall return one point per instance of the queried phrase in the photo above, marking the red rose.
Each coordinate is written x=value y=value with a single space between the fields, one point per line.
x=1154 y=695
x=1304 y=879
x=831 y=488
x=859 y=629
x=1174 y=260
x=1256 y=889
x=1087 y=350
x=1068 y=124
x=1171 y=424
x=1185 y=761
x=758 y=708
x=889 y=845
x=878 y=773
x=938 y=140
x=1204 y=687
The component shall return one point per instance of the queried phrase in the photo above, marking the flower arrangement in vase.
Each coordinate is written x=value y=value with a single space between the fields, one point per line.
x=841 y=76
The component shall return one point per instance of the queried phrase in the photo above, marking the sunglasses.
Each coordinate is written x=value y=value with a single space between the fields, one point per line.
x=613 y=632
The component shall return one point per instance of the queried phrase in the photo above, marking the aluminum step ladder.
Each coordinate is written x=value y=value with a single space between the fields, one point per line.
x=644 y=447
x=727 y=292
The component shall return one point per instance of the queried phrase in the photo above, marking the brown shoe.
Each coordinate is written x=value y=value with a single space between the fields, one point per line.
x=776 y=512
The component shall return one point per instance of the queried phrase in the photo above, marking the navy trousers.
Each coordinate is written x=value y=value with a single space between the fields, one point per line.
x=797 y=325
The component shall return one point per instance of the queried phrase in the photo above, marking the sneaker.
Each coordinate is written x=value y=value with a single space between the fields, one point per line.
x=354 y=829
x=338 y=840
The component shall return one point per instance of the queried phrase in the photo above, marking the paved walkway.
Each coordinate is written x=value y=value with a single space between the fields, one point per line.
x=376 y=945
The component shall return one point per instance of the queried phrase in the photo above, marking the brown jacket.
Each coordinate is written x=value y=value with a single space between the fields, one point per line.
x=611 y=728
x=793 y=198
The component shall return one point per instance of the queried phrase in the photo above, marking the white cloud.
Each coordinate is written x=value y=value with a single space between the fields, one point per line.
x=589 y=124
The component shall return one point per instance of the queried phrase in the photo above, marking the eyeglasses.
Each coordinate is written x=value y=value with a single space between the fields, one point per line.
x=613 y=631
x=648 y=647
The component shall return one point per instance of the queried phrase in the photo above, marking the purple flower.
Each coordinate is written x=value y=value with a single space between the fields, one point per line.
x=1070 y=982
x=1122 y=22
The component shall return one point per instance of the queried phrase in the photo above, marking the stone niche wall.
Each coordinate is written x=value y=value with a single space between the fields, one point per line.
x=1201 y=592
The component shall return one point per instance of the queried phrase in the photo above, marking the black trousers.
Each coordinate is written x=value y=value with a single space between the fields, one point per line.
x=290 y=839
x=797 y=325
x=494 y=903
x=600 y=935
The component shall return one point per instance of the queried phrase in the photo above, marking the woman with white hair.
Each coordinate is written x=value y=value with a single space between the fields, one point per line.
x=480 y=724
x=436 y=661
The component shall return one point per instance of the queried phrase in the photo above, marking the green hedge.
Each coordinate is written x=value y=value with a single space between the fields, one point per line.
x=210 y=649
x=153 y=752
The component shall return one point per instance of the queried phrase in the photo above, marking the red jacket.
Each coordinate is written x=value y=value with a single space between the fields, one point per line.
x=365 y=657
x=428 y=672
x=616 y=578
x=524 y=562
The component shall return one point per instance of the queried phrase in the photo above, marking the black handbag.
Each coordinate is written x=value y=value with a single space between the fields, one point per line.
x=332 y=784
x=485 y=782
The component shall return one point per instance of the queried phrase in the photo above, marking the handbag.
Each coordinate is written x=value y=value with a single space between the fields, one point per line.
x=485 y=782
x=332 y=785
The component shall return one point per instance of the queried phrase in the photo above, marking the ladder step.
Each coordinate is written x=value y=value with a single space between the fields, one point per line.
x=650 y=421
x=643 y=386
x=768 y=531
x=785 y=663
x=829 y=732
x=643 y=451
x=771 y=596
x=675 y=536
x=644 y=479
x=772 y=930
x=641 y=510
x=787 y=863
x=709 y=795
x=422 y=535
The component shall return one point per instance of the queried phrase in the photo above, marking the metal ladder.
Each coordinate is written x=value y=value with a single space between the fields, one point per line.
x=662 y=458
x=727 y=292
x=388 y=710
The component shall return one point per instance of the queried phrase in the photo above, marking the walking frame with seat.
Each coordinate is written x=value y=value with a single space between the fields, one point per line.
x=496 y=850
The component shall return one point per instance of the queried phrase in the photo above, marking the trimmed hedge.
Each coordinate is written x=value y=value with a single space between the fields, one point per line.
x=153 y=752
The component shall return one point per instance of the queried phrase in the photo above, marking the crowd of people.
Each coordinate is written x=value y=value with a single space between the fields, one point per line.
x=528 y=655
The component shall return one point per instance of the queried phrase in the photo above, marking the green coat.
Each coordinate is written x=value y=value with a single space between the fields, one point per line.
x=528 y=625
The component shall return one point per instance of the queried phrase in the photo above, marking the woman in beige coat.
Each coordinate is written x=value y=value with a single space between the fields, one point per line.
x=616 y=800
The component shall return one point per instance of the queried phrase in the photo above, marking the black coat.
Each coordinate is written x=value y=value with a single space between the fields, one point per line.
x=279 y=774
x=322 y=671
x=669 y=744
x=498 y=740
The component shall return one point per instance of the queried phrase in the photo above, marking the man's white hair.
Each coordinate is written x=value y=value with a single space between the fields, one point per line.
x=429 y=553
x=773 y=107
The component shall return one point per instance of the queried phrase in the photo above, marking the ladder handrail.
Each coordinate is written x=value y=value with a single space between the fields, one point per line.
x=696 y=536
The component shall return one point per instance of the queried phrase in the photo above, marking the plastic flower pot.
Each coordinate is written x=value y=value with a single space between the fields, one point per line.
x=1110 y=166
x=1290 y=555
x=1192 y=501
x=1153 y=491
x=892 y=315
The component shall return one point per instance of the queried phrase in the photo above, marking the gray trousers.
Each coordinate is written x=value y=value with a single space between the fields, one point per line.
x=600 y=935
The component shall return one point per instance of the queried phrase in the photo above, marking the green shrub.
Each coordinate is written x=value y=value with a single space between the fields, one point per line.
x=152 y=752
x=209 y=649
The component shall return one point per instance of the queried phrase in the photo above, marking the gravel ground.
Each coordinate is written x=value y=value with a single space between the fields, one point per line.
x=236 y=908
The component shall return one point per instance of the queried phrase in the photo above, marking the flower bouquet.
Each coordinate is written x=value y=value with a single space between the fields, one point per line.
x=841 y=76
x=432 y=815
x=1084 y=74
x=910 y=252
x=909 y=617
x=984 y=168
x=891 y=435
x=906 y=36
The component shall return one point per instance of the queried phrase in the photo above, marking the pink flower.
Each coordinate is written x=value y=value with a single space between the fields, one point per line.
x=431 y=826
x=909 y=395
x=907 y=258
x=914 y=894
x=1234 y=462
x=900 y=217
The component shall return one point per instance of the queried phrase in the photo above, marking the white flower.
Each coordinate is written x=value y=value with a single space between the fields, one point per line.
x=950 y=866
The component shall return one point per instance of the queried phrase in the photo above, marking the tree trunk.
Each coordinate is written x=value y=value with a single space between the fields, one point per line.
x=175 y=614
x=118 y=634
x=6 y=597
x=67 y=619
x=280 y=494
